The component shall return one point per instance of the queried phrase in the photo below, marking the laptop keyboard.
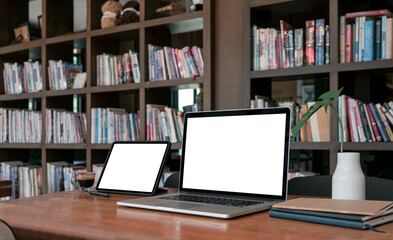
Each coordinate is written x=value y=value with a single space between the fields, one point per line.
x=213 y=200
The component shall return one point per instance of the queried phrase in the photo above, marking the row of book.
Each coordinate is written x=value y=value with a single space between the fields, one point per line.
x=117 y=69
x=62 y=74
x=114 y=124
x=164 y=123
x=22 y=78
x=20 y=126
x=366 y=36
x=65 y=127
x=26 y=179
x=284 y=48
x=364 y=122
x=172 y=63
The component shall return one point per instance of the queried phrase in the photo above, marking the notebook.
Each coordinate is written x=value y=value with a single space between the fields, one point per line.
x=234 y=162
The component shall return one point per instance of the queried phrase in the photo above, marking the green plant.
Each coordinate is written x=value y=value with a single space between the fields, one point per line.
x=325 y=100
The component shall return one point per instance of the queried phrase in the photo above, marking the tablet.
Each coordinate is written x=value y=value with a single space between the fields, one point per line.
x=134 y=167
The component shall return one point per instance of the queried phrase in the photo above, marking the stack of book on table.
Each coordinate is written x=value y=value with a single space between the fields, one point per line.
x=359 y=214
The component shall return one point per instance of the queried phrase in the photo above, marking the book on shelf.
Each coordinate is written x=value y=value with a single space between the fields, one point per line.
x=166 y=63
x=117 y=69
x=9 y=171
x=24 y=78
x=343 y=39
x=299 y=47
x=319 y=42
x=368 y=35
x=29 y=181
x=327 y=44
x=70 y=172
x=20 y=126
x=358 y=214
x=163 y=123
x=114 y=124
x=310 y=42
x=62 y=74
x=65 y=126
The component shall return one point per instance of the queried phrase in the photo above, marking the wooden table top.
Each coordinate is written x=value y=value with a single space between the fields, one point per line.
x=75 y=215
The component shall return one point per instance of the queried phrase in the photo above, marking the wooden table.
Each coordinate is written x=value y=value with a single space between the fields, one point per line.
x=75 y=215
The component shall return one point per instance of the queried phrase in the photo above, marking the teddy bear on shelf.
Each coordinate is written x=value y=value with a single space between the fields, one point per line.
x=129 y=14
x=110 y=11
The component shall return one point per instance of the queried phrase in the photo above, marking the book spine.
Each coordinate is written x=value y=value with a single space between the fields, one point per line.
x=310 y=38
x=373 y=122
x=359 y=124
x=357 y=40
x=361 y=38
x=352 y=121
x=197 y=61
x=383 y=37
x=319 y=42
x=377 y=39
x=254 y=47
x=369 y=30
x=367 y=122
x=340 y=114
x=345 y=117
x=384 y=121
x=348 y=42
x=389 y=117
x=283 y=51
x=299 y=47
x=343 y=34
x=291 y=49
x=389 y=36
x=327 y=44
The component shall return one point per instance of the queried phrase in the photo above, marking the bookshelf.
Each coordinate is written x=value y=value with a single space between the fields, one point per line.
x=361 y=80
x=57 y=42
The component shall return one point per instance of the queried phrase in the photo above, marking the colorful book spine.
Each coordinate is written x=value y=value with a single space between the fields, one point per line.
x=284 y=27
x=310 y=42
x=368 y=122
x=361 y=38
x=384 y=121
x=299 y=47
x=357 y=47
x=343 y=33
x=348 y=43
x=369 y=38
x=319 y=42
x=373 y=122
x=359 y=125
x=327 y=44
x=383 y=37
x=363 y=122
x=291 y=49
x=352 y=121
x=389 y=38
x=388 y=115
x=378 y=39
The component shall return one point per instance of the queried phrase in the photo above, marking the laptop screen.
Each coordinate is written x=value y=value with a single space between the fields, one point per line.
x=243 y=151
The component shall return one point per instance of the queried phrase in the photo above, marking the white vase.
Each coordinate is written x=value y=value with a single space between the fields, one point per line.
x=348 y=178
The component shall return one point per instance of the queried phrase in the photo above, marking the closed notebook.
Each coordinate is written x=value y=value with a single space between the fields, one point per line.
x=359 y=214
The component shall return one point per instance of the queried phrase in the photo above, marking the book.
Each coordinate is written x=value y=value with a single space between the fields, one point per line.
x=378 y=39
x=384 y=122
x=358 y=214
x=299 y=47
x=310 y=42
x=369 y=39
x=373 y=123
x=378 y=122
x=389 y=38
x=327 y=44
x=319 y=42
x=343 y=39
x=284 y=28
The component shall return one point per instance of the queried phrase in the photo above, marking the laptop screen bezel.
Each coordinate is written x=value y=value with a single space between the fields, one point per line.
x=243 y=112
x=159 y=173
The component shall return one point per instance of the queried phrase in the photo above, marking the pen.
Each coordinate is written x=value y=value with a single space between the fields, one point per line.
x=99 y=193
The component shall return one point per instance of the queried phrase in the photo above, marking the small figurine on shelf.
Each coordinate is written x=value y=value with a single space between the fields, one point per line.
x=110 y=11
x=129 y=14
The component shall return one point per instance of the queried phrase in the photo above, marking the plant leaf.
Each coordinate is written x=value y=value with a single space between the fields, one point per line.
x=324 y=100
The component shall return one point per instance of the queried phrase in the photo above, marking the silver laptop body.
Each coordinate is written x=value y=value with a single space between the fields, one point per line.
x=236 y=161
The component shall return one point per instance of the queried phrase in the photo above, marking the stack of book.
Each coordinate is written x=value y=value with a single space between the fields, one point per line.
x=117 y=69
x=114 y=124
x=164 y=123
x=68 y=173
x=97 y=168
x=29 y=178
x=20 y=126
x=364 y=122
x=317 y=128
x=284 y=48
x=22 y=78
x=62 y=74
x=65 y=127
x=173 y=63
x=366 y=36
x=9 y=171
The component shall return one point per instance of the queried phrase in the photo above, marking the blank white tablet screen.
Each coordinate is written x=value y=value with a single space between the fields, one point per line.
x=133 y=167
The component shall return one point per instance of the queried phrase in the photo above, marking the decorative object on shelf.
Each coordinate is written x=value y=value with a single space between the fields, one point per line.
x=197 y=5
x=22 y=33
x=110 y=10
x=129 y=14
x=348 y=179
x=39 y=18
x=170 y=9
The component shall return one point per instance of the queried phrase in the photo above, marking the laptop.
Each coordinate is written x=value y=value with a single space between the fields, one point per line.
x=234 y=162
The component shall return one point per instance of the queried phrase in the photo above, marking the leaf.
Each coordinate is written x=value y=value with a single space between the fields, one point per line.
x=324 y=100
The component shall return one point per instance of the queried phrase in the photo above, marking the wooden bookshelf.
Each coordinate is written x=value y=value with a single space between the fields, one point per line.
x=234 y=21
x=57 y=41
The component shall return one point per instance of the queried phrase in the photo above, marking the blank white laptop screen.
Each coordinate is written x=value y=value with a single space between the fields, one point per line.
x=133 y=167
x=243 y=154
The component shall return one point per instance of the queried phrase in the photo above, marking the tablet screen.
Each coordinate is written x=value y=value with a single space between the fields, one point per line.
x=133 y=167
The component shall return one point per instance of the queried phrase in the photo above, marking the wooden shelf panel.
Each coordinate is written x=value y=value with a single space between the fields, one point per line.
x=363 y=66
x=298 y=71
x=173 y=19
x=22 y=96
x=179 y=83
x=310 y=145
x=100 y=146
x=21 y=47
x=373 y=146
x=66 y=38
x=116 y=88
x=20 y=145
x=114 y=30
x=70 y=146
x=66 y=92
x=260 y=3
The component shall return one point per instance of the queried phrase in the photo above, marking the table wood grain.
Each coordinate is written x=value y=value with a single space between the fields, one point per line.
x=75 y=215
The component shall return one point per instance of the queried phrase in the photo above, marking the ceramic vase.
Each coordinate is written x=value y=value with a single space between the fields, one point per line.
x=348 y=179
